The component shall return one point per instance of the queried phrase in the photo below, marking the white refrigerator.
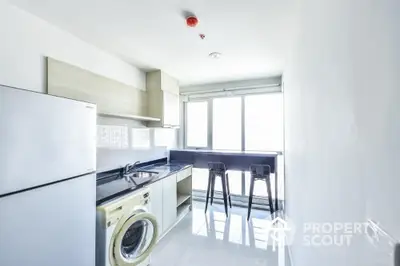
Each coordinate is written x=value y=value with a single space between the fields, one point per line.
x=47 y=180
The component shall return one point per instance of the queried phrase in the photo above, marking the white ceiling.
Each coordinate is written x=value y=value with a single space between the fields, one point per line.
x=253 y=35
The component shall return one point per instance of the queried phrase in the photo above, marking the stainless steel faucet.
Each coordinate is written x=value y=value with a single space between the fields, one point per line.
x=127 y=171
x=129 y=167
x=136 y=163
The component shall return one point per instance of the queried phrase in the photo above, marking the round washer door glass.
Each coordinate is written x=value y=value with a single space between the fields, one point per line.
x=136 y=239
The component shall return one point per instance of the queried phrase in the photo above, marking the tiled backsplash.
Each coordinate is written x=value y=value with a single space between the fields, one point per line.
x=121 y=141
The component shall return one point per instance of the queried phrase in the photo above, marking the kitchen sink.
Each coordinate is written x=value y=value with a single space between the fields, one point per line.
x=140 y=177
x=143 y=174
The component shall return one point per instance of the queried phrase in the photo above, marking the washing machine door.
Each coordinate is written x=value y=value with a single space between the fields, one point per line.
x=135 y=239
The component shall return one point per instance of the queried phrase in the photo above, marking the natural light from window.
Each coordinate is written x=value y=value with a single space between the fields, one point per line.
x=264 y=122
x=227 y=124
x=196 y=124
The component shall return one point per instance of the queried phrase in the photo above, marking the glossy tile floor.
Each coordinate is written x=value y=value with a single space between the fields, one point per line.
x=212 y=239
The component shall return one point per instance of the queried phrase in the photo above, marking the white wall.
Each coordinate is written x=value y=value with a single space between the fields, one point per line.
x=342 y=123
x=26 y=40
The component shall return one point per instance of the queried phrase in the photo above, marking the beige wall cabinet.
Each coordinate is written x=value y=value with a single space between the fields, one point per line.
x=162 y=99
x=111 y=97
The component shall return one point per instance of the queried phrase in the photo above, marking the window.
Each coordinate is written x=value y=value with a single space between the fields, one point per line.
x=235 y=182
x=264 y=122
x=260 y=186
x=236 y=123
x=196 y=124
x=165 y=137
x=199 y=178
x=227 y=124
x=241 y=123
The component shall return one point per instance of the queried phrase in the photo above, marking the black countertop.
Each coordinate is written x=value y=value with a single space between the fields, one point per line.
x=119 y=186
x=233 y=152
x=233 y=160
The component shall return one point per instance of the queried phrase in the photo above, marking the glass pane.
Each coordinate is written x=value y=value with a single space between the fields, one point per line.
x=227 y=124
x=199 y=178
x=235 y=182
x=165 y=137
x=264 y=122
x=137 y=239
x=200 y=181
x=196 y=119
x=260 y=187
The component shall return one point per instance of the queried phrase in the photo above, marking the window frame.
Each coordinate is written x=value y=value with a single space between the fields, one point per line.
x=185 y=127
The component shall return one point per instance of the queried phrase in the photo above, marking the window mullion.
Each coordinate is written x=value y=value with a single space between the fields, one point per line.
x=243 y=142
x=210 y=124
x=243 y=124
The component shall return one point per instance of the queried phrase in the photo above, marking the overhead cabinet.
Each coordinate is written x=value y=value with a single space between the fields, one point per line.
x=113 y=98
x=158 y=106
x=163 y=99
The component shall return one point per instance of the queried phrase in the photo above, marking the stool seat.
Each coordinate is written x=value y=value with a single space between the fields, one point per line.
x=218 y=169
x=260 y=172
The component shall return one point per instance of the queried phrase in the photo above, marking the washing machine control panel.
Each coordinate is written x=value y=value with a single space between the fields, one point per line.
x=146 y=198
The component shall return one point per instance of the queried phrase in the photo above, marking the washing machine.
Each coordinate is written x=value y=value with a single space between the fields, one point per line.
x=126 y=232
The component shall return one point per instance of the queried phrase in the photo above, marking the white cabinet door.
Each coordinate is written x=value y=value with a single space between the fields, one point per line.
x=169 y=201
x=171 y=109
x=156 y=204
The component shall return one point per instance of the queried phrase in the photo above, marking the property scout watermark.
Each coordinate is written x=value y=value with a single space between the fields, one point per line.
x=332 y=234
x=281 y=232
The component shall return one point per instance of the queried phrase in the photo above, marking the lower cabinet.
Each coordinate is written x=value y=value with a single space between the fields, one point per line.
x=169 y=201
x=163 y=203
x=156 y=204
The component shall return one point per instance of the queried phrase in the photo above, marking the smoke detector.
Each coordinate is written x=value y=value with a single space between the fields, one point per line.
x=215 y=55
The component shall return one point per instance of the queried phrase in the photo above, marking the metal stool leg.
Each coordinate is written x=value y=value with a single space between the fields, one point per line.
x=213 y=177
x=229 y=190
x=250 y=197
x=225 y=194
x=208 y=190
x=271 y=205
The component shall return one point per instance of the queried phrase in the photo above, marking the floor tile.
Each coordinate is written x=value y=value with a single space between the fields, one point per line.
x=213 y=239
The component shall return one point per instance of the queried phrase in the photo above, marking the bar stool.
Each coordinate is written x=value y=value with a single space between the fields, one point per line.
x=218 y=169
x=260 y=172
